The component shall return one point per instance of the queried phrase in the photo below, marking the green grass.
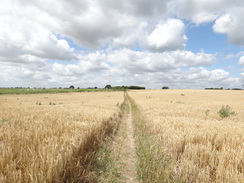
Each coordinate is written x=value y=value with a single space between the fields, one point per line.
x=225 y=112
x=4 y=120
x=106 y=168
x=41 y=90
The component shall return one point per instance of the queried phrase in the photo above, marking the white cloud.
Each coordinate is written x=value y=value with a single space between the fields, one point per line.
x=37 y=41
x=139 y=62
x=232 y=25
x=241 y=61
x=121 y=42
x=224 y=24
x=200 y=11
x=167 y=36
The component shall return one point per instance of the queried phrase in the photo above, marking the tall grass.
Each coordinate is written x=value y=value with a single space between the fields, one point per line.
x=54 y=143
x=202 y=149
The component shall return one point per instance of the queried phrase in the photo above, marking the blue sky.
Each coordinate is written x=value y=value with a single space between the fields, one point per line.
x=176 y=43
x=202 y=37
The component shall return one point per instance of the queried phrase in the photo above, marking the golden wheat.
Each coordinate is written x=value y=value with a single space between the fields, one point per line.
x=41 y=134
x=185 y=123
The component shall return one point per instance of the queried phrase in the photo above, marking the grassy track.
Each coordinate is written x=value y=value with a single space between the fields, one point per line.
x=133 y=155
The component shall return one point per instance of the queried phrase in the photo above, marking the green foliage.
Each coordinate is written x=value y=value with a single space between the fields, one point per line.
x=165 y=87
x=50 y=90
x=124 y=88
x=225 y=112
x=119 y=88
x=106 y=168
x=214 y=88
x=38 y=103
x=108 y=87
x=136 y=88
x=4 y=120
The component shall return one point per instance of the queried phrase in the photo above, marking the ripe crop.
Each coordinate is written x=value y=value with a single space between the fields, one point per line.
x=44 y=137
x=186 y=126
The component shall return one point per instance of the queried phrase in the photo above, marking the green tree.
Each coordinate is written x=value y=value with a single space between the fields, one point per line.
x=108 y=87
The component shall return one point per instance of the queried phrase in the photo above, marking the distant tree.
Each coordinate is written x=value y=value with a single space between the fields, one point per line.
x=136 y=88
x=95 y=87
x=214 y=88
x=165 y=87
x=108 y=87
x=71 y=87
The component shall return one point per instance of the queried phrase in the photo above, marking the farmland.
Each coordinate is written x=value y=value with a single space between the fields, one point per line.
x=161 y=135
x=198 y=145
x=42 y=136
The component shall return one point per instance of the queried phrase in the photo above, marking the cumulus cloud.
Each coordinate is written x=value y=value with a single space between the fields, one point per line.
x=167 y=36
x=241 y=61
x=139 y=62
x=200 y=11
x=242 y=78
x=21 y=38
x=82 y=42
x=125 y=67
x=231 y=24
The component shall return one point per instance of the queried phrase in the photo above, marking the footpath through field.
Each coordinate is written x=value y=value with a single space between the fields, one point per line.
x=121 y=165
x=128 y=151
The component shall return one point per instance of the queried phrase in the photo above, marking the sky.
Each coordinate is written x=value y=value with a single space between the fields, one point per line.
x=191 y=44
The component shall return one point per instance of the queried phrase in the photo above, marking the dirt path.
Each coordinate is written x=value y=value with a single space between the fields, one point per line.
x=120 y=163
x=124 y=150
x=128 y=150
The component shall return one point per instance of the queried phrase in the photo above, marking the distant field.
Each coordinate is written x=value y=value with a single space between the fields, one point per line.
x=42 y=136
x=186 y=126
x=40 y=90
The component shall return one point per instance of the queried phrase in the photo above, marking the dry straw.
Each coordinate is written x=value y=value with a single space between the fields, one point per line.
x=40 y=142
x=202 y=146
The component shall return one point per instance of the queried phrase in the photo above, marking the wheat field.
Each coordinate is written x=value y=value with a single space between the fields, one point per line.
x=186 y=126
x=42 y=135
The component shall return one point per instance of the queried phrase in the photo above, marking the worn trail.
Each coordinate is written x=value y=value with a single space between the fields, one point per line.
x=128 y=150
x=123 y=148
x=121 y=163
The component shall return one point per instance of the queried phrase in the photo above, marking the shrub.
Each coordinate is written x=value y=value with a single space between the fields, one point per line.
x=225 y=112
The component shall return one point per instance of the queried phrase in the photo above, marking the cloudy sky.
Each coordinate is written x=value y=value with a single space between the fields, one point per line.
x=151 y=43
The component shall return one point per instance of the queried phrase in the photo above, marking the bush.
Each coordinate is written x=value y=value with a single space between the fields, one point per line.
x=136 y=88
x=165 y=87
x=225 y=112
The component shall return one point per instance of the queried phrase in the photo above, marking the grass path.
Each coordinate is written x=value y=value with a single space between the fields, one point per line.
x=121 y=163
x=128 y=152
